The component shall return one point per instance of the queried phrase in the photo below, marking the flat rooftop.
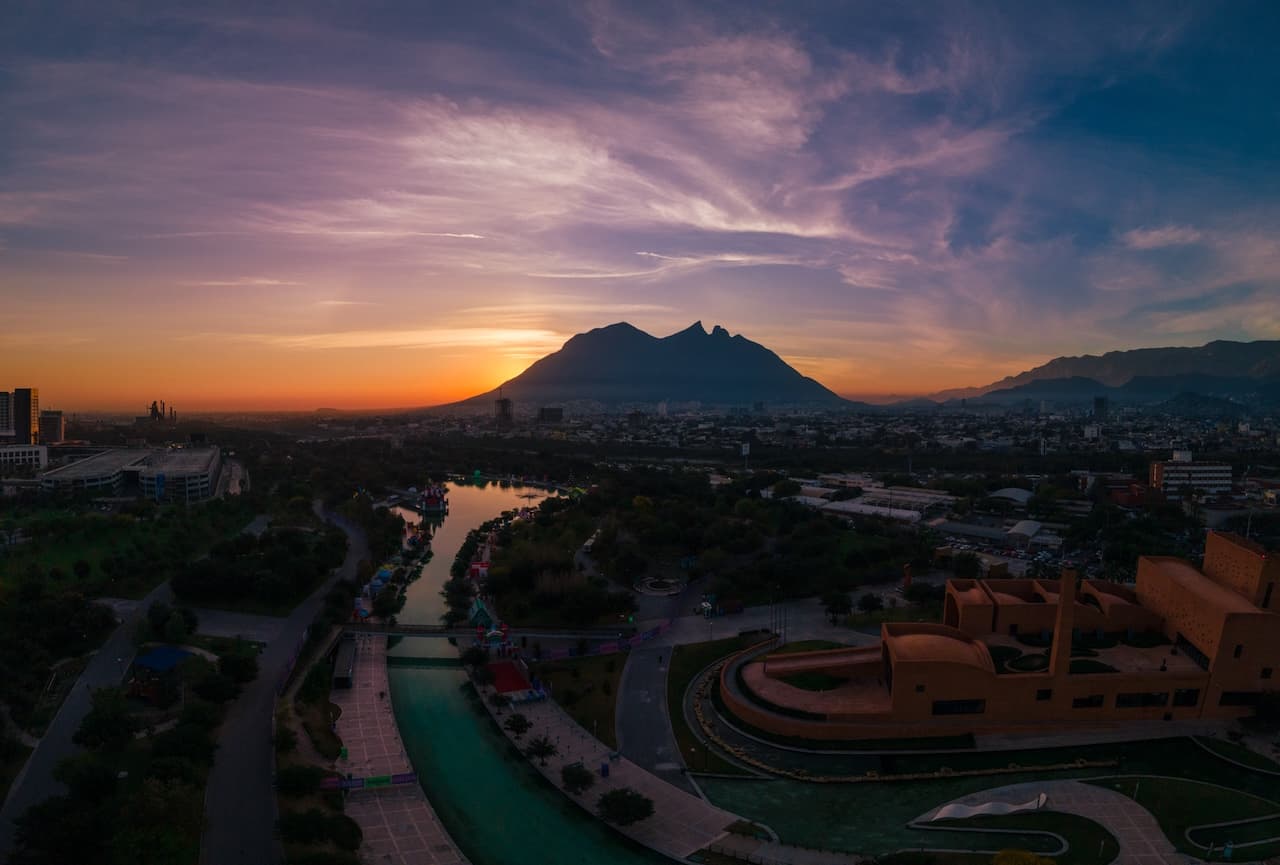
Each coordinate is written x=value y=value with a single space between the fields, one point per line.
x=99 y=465
x=181 y=461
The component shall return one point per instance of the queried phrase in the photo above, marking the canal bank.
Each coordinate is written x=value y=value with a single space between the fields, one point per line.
x=493 y=805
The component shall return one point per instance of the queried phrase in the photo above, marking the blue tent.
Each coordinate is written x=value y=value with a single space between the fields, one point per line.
x=162 y=659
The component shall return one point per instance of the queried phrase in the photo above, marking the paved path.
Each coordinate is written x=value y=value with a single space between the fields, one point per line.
x=367 y=725
x=1141 y=840
x=224 y=623
x=241 y=805
x=643 y=727
x=35 y=782
x=681 y=823
x=400 y=827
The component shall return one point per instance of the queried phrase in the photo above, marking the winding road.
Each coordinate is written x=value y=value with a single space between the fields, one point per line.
x=240 y=807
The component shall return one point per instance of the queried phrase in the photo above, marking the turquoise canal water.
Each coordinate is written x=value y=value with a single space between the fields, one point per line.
x=496 y=807
x=469 y=506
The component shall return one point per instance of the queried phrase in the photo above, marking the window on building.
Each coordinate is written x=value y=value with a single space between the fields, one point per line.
x=1093 y=701
x=1139 y=699
x=1266 y=596
x=1239 y=650
x=1266 y=672
x=1044 y=694
x=1239 y=698
x=1186 y=696
x=959 y=707
x=919 y=689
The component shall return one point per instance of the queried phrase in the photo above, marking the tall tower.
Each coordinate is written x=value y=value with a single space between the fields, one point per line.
x=503 y=410
x=1060 y=654
x=26 y=415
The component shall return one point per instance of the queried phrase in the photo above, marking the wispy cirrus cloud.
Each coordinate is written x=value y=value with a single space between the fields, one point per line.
x=981 y=186
x=1158 y=238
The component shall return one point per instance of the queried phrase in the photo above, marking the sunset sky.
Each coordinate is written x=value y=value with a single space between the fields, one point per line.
x=392 y=204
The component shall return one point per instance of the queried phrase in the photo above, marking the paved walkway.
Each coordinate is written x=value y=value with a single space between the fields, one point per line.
x=400 y=827
x=681 y=823
x=367 y=725
x=1141 y=840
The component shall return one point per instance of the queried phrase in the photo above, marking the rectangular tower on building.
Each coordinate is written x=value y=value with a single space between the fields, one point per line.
x=6 y=415
x=26 y=415
x=53 y=427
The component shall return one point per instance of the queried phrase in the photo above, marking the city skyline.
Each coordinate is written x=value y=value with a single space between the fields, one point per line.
x=407 y=206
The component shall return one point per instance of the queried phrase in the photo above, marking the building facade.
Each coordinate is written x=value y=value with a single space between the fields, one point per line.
x=1011 y=655
x=53 y=427
x=25 y=404
x=1178 y=476
x=34 y=456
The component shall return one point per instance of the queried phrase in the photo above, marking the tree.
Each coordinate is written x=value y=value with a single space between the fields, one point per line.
x=624 y=806
x=966 y=565
x=836 y=604
x=82 y=570
x=541 y=749
x=870 y=603
x=239 y=667
x=109 y=724
x=576 y=778
x=286 y=740
x=175 y=629
x=299 y=780
x=518 y=724
x=475 y=656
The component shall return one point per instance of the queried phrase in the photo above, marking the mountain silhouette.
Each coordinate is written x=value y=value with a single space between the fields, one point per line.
x=621 y=364
x=1219 y=359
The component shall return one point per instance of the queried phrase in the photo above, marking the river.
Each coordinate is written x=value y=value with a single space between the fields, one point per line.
x=497 y=809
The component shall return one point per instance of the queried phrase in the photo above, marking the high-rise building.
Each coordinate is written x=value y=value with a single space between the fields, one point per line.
x=26 y=415
x=1100 y=406
x=504 y=411
x=6 y=415
x=53 y=427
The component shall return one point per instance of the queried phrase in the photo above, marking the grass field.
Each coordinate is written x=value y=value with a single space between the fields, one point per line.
x=587 y=688
x=686 y=662
x=1240 y=754
x=1090 y=843
x=1179 y=804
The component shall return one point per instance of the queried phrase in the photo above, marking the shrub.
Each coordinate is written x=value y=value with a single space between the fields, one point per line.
x=286 y=741
x=624 y=806
x=576 y=778
x=299 y=780
x=238 y=667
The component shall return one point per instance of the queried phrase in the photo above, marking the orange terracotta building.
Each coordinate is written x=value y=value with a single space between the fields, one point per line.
x=1024 y=654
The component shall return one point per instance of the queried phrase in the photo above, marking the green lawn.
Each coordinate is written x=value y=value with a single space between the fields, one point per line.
x=686 y=662
x=905 y=613
x=872 y=818
x=587 y=688
x=1090 y=843
x=1240 y=754
x=1179 y=805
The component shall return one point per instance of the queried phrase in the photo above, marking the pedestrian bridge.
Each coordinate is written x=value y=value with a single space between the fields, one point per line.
x=460 y=632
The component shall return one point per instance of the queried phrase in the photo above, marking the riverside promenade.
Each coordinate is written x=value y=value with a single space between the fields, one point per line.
x=681 y=823
x=400 y=827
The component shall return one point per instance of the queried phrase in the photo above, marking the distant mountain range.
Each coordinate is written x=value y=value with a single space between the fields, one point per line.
x=621 y=364
x=1144 y=374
